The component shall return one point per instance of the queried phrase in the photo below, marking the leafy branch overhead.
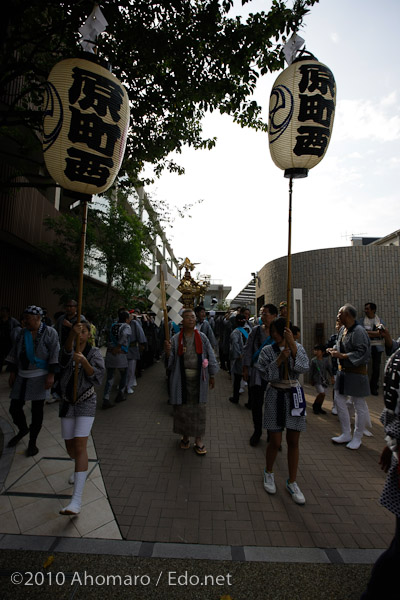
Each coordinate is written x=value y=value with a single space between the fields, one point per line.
x=177 y=59
x=116 y=252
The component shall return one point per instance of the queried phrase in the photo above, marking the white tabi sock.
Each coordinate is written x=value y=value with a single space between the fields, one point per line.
x=74 y=507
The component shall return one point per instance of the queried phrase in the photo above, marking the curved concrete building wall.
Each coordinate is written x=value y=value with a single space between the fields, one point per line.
x=328 y=279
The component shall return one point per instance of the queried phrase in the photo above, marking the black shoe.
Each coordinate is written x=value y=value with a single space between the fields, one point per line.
x=14 y=440
x=318 y=410
x=120 y=397
x=375 y=393
x=232 y=399
x=255 y=438
x=32 y=449
x=107 y=404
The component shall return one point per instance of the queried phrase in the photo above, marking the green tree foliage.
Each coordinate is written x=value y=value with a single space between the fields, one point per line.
x=120 y=242
x=177 y=59
x=62 y=255
x=224 y=305
x=115 y=248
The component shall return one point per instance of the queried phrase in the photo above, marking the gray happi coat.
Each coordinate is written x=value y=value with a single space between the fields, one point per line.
x=358 y=349
x=254 y=341
x=277 y=401
x=390 y=419
x=206 y=328
x=46 y=347
x=236 y=347
x=137 y=337
x=87 y=407
x=174 y=365
x=119 y=361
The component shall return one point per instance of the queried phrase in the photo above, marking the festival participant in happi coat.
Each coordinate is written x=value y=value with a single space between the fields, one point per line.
x=258 y=338
x=281 y=411
x=137 y=340
x=33 y=361
x=353 y=351
x=238 y=340
x=384 y=576
x=192 y=365
x=321 y=375
x=117 y=357
x=204 y=326
x=77 y=411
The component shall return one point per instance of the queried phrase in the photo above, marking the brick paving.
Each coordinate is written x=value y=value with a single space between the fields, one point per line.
x=160 y=493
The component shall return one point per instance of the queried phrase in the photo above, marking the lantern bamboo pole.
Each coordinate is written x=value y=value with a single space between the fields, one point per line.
x=164 y=302
x=80 y=286
x=289 y=268
x=289 y=262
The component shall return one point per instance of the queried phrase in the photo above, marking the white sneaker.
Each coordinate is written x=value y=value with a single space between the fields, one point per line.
x=269 y=483
x=71 y=478
x=295 y=492
x=368 y=433
x=241 y=390
x=342 y=439
x=354 y=444
x=334 y=410
x=129 y=390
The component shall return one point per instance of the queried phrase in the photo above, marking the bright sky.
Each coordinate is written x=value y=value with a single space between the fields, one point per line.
x=242 y=222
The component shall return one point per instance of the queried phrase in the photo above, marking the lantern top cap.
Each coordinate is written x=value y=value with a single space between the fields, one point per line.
x=304 y=55
x=95 y=58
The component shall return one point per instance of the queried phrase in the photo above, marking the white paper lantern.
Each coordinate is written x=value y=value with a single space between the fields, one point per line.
x=86 y=118
x=301 y=113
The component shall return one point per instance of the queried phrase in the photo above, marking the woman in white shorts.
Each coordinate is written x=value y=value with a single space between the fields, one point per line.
x=77 y=418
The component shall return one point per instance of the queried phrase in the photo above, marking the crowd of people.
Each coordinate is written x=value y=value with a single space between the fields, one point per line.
x=59 y=361
x=262 y=354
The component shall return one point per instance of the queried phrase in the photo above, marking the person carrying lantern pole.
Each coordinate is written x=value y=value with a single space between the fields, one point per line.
x=77 y=414
x=279 y=365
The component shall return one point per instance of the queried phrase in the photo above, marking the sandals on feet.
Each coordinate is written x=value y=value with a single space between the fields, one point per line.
x=199 y=450
x=185 y=444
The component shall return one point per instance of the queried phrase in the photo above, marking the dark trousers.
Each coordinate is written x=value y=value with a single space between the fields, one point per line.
x=385 y=572
x=19 y=419
x=236 y=386
x=256 y=399
x=376 y=368
x=110 y=379
x=225 y=361
x=222 y=357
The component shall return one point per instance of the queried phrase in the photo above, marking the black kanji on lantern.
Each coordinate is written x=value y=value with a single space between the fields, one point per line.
x=316 y=108
x=90 y=129
x=92 y=90
x=87 y=167
x=100 y=98
x=312 y=140
x=316 y=77
x=318 y=80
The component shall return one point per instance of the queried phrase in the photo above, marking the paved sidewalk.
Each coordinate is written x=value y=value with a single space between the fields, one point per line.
x=154 y=510
x=34 y=489
x=160 y=493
